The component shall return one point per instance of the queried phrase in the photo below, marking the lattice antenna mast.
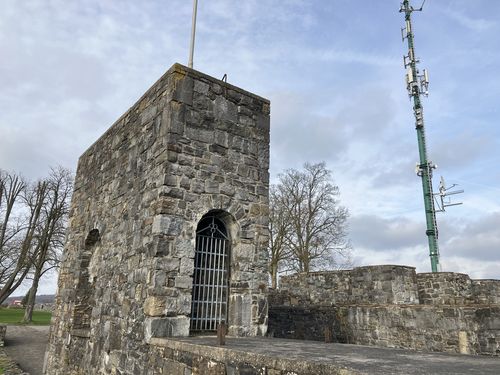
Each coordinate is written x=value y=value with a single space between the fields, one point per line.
x=417 y=85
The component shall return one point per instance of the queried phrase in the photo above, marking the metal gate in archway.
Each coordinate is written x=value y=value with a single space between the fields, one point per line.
x=211 y=274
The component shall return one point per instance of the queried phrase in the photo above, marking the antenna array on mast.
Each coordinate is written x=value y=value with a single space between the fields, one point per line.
x=417 y=85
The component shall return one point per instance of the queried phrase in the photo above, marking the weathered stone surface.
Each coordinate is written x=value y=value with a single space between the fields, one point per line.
x=154 y=306
x=265 y=356
x=3 y=331
x=166 y=327
x=140 y=192
x=363 y=285
x=378 y=305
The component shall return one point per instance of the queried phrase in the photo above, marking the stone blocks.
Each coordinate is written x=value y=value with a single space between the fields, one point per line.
x=166 y=327
x=362 y=285
x=3 y=332
x=190 y=146
x=390 y=306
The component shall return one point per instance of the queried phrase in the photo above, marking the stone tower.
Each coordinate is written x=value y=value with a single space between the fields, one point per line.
x=168 y=227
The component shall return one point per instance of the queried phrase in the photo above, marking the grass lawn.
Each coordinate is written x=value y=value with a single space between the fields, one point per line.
x=15 y=316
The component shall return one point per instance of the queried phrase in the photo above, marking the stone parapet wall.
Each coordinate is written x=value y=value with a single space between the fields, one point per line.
x=467 y=330
x=321 y=288
x=390 y=306
x=472 y=330
x=385 y=284
x=172 y=357
x=450 y=288
x=486 y=291
x=362 y=285
x=444 y=288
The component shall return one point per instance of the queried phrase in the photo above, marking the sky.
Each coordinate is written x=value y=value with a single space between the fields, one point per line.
x=333 y=71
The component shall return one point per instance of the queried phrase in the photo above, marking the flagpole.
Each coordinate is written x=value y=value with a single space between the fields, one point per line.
x=193 y=30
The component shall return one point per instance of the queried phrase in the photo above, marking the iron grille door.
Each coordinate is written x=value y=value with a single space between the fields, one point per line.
x=210 y=281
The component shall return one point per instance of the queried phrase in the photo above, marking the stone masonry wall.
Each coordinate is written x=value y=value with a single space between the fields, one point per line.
x=362 y=285
x=172 y=357
x=191 y=145
x=444 y=288
x=452 y=288
x=431 y=328
x=390 y=306
x=486 y=291
x=452 y=329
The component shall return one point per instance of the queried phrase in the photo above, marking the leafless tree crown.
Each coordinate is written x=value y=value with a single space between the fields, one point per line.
x=308 y=226
x=33 y=219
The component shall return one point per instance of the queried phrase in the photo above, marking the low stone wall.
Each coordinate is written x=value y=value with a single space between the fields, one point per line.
x=361 y=285
x=450 y=288
x=467 y=330
x=319 y=288
x=486 y=291
x=383 y=284
x=444 y=288
x=172 y=357
x=387 y=284
x=390 y=306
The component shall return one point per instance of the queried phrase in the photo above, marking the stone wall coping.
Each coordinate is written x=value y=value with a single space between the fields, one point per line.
x=228 y=354
x=179 y=68
x=384 y=266
x=333 y=272
x=437 y=274
x=176 y=68
x=433 y=274
x=309 y=357
x=407 y=306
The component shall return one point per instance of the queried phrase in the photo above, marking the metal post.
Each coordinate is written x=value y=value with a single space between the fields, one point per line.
x=425 y=167
x=193 y=31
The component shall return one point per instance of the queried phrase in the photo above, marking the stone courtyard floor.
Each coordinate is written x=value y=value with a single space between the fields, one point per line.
x=344 y=358
x=26 y=346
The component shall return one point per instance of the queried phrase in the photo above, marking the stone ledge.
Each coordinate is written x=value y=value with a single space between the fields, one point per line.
x=235 y=352
x=279 y=356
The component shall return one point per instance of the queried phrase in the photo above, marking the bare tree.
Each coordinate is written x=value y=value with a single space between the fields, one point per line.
x=317 y=234
x=32 y=221
x=50 y=232
x=279 y=228
x=17 y=232
x=11 y=188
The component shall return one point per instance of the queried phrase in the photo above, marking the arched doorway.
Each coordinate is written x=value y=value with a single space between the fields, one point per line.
x=211 y=275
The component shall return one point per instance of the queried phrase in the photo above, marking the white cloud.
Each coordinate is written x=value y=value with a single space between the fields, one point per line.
x=471 y=23
x=380 y=234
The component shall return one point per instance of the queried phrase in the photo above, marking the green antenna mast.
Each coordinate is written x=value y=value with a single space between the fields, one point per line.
x=417 y=85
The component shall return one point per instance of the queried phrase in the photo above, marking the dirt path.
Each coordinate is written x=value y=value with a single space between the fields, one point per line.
x=26 y=346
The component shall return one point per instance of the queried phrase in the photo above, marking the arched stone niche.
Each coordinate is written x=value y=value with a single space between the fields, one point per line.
x=84 y=301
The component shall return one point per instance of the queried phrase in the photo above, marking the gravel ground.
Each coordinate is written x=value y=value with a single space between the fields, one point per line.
x=26 y=346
